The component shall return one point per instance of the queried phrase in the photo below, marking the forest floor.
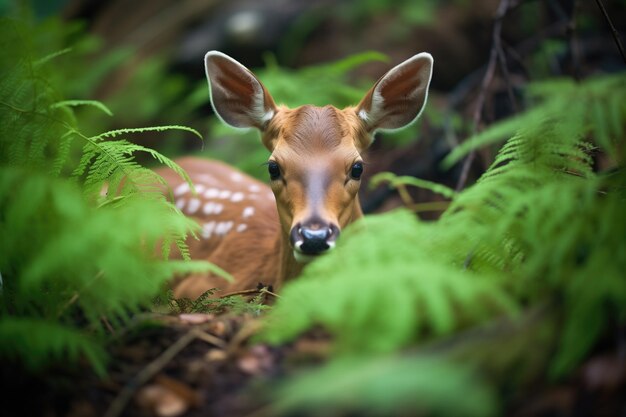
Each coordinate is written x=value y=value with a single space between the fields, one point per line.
x=210 y=365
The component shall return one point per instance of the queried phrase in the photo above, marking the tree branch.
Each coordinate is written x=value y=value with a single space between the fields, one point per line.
x=614 y=32
x=496 y=51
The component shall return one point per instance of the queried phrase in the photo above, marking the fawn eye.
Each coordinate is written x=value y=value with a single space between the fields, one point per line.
x=274 y=170
x=357 y=170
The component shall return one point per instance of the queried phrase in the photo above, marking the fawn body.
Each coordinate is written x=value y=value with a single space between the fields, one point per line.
x=266 y=234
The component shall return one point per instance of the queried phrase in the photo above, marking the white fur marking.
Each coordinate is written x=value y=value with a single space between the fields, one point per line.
x=223 y=227
x=247 y=212
x=236 y=177
x=211 y=193
x=180 y=203
x=224 y=194
x=207 y=229
x=237 y=197
x=241 y=227
x=181 y=189
x=254 y=188
x=212 y=208
x=194 y=205
x=199 y=188
x=208 y=207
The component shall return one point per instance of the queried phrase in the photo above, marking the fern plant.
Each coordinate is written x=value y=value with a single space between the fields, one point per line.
x=74 y=260
x=542 y=230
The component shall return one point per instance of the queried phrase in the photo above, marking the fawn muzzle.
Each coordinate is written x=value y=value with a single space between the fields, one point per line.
x=312 y=239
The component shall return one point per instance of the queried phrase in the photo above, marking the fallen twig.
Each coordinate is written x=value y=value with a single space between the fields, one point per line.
x=241 y=292
x=209 y=338
x=126 y=394
x=263 y=290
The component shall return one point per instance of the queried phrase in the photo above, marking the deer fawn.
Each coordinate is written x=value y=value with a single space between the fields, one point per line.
x=267 y=234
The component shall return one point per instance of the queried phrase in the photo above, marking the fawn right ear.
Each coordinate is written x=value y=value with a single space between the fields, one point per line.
x=237 y=96
x=398 y=98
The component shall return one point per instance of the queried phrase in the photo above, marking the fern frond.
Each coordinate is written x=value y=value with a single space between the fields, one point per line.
x=52 y=56
x=131 y=148
x=74 y=103
x=118 y=132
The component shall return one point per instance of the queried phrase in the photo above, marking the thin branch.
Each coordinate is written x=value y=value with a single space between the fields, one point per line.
x=487 y=78
x=210 y=339
x=614 y=32
x=262 y=290
x=126 y=394
x=242 y=292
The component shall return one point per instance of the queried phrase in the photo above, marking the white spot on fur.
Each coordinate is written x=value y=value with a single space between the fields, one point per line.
x=208 y=207
x=199 y=188
x=180 y=203
x=236 y=177
x=207 y=229
x=237 y=197
x=247 y=212
x=254 y=188
x=241 y=227
x=223 y=227
x=193 y=206
x=181 y=189
x=224 y=194
x=212 y=208
x=211 y=193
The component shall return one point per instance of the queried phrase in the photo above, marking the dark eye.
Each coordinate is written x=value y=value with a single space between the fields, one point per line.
x=357 y=170
x=274 y=170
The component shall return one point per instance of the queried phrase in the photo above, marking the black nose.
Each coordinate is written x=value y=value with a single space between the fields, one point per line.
x=313 y=238
x=314 y=241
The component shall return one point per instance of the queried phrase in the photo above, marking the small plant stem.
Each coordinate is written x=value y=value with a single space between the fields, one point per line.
x=404 y=195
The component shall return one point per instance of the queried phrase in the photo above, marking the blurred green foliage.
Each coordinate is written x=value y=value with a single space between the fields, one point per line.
x=74 y=257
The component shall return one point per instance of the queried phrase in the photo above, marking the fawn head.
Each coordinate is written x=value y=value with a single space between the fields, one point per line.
x=315 y=165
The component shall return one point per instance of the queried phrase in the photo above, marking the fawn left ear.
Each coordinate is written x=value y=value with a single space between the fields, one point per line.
x=237 y=96
x=398 y=98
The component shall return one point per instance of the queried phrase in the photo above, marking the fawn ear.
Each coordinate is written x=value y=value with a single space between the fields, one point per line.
x=237 y=96
x=398 y=98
